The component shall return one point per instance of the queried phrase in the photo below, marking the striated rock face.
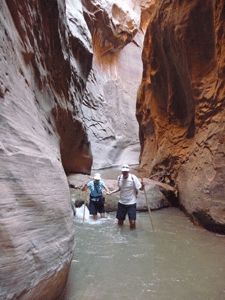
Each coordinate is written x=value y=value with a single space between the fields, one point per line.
x=42 y=137
x=180 y=105
x=110 y=99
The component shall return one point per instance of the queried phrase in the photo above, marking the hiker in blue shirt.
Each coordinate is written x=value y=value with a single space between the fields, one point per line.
x=97 y=200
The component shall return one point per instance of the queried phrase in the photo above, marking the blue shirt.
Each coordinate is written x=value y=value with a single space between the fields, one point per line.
x=96 y=189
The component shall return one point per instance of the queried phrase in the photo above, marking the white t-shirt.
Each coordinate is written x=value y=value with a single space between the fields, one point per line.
x=128 y=188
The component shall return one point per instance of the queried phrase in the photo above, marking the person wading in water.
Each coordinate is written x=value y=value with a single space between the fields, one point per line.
x=96 y=204
x=128 y=185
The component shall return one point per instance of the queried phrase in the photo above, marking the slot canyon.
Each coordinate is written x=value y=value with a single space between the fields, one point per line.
x=90 y=85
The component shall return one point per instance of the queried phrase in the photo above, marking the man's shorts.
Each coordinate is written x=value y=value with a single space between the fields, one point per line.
x=95 y=207
x=124 y=209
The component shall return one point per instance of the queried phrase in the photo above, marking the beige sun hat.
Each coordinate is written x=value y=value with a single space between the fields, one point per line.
x=97 y=176
x=125 y=168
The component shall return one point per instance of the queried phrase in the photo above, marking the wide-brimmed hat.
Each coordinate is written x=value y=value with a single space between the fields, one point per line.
x=97 y=176
x=125 y=168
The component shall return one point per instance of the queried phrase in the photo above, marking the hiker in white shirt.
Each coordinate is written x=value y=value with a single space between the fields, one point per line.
x=128 y=185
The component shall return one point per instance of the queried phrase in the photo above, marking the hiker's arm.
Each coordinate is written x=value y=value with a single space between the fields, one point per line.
x=84 y=188
x=107 y=190
x=114 y=191
x=142 y=185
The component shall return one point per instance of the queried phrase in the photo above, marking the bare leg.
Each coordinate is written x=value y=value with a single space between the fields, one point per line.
x=103 y=215
x=95 y=217
x=120 y=223
x=132 y=224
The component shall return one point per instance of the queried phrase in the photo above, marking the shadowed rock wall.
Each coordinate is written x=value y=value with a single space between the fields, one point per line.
x=42 y=136
x=180 y=106
x=109 y=105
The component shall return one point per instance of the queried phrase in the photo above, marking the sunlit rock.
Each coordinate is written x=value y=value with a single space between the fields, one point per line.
x=109 y=105
x=180 y=106
x=42 y=136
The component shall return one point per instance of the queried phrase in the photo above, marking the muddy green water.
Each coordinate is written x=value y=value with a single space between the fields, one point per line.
x=177 y=261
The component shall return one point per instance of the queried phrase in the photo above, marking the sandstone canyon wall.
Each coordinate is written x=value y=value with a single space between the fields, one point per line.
x=42 y=137
x=52 y=83
x=109 y=105
x=181 y=104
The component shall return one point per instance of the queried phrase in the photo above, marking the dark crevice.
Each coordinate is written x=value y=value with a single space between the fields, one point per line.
x=203 y=219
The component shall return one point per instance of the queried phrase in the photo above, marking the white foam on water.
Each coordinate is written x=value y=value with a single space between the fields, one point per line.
x=82 y=211
x=82 y=214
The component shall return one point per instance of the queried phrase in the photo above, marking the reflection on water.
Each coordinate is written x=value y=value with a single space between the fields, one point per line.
x=178 y=261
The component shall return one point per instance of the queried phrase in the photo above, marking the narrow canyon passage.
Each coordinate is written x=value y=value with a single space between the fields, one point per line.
x=94 y=84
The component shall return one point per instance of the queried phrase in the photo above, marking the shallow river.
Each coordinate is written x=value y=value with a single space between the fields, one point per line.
x=178 y=261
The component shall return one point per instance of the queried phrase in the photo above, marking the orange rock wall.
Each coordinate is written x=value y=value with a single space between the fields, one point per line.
x=180 y=106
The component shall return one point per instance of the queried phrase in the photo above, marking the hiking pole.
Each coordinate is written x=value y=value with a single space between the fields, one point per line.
x=149 y=210
x=85 y=196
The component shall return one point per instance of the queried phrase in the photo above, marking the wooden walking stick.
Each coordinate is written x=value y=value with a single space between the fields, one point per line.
x=85 y=199
x=149 y=210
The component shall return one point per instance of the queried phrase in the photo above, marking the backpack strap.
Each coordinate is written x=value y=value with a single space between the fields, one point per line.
x=119 y=178
x=134 y=184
